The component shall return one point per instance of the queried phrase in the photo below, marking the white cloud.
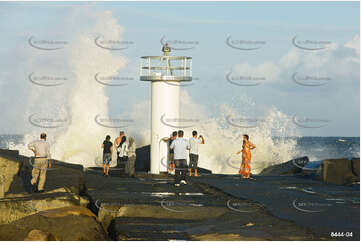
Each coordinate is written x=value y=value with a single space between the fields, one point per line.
x=339 y=62
x=354 y=44
x=267 y=71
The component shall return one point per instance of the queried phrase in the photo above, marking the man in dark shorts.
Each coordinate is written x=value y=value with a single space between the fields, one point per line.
x=107 y=154
x=193 y=152
x=171 y=151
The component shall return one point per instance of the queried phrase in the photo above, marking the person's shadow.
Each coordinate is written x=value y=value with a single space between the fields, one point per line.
x=25 y=173
x=21 y=181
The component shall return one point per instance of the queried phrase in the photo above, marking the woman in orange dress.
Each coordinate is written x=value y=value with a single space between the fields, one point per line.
x=247 y=146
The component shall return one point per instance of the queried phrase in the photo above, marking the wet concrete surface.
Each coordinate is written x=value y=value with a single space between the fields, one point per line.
x=329 y=211
x=209 y=207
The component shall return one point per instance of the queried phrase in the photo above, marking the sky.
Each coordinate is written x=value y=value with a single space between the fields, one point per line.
x=299 y=58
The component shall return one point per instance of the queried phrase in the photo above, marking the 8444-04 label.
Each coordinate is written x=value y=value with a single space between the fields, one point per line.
x=341 y=234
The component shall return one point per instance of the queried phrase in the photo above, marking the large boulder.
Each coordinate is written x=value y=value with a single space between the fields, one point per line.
x=38 y=235
x=341 y=171
x=64 y=187
x=17 y=206
x=65 y=211
x=74 y=223
x=288 y=168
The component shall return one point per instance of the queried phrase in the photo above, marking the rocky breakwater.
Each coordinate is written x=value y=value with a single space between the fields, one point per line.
x=60 y=213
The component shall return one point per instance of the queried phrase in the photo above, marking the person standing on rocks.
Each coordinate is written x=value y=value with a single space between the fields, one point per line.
x=117 y=142
x=107 y=154
x=193 y=152
x=41 y=162
x=130 y=165
x=180 y=146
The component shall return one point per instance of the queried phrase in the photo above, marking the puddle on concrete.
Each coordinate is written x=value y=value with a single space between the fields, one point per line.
x=289 y=188
x=161 y=194
x=336 y=200
x=308 y=190
x=167 y=194
x=354 y=200
x=191 y=194
x=162 y=179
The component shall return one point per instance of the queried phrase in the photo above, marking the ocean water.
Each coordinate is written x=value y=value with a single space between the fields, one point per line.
x=319 y=148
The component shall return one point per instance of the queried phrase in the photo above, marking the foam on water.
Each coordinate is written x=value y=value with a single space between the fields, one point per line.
x=81 y=99
x=224 y=138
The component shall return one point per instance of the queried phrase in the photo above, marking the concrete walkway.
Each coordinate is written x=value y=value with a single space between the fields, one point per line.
x=152 y=208
x=330 y=211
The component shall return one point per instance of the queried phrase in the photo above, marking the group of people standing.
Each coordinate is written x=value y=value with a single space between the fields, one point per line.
x=125 y=153
x=178 y=155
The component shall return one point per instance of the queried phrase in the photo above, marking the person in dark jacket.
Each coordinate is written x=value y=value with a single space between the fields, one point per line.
x=107 y=154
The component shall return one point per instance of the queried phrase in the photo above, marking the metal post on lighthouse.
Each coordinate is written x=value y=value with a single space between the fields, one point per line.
x=165 y=72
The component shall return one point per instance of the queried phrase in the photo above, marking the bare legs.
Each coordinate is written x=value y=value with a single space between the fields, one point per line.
x=106 y=169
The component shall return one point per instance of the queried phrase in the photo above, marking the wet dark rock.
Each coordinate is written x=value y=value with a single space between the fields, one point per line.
x=287 y=168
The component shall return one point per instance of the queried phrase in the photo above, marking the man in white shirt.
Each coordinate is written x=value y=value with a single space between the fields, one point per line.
x=180 y=146
x=116 y=143
x=41 y=149
x=193 y=152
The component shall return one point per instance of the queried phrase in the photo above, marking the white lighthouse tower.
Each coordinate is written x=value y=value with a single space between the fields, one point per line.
x=166 y=74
